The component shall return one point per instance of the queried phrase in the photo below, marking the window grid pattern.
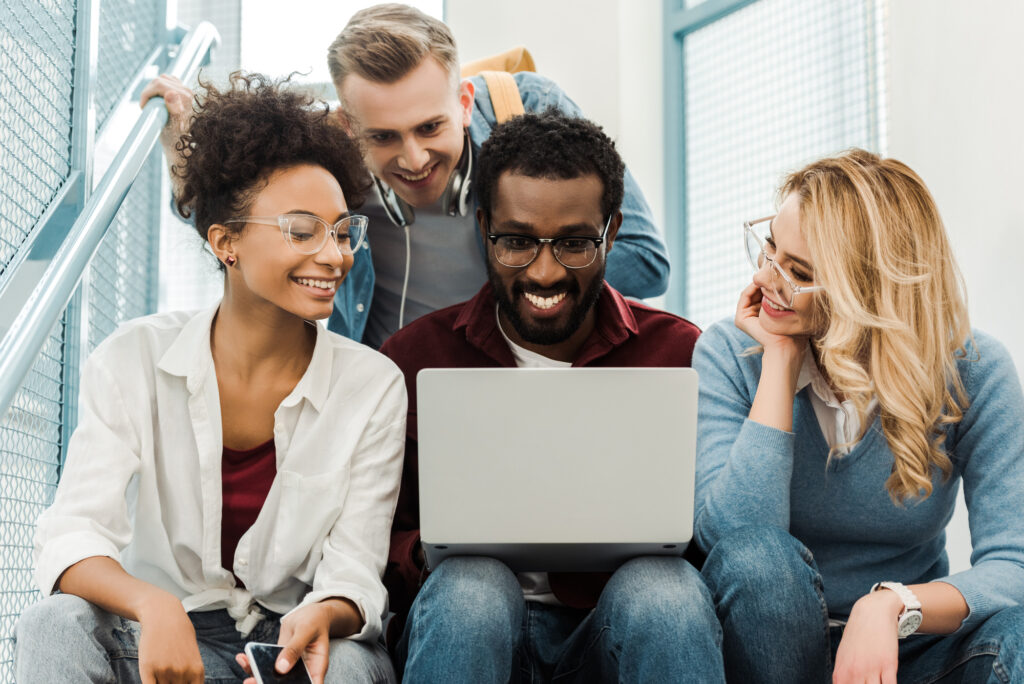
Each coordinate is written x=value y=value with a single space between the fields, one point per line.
x=30 y=448
x=768 y=88
x=128 y=34
x=37 y=53
x=123 y=275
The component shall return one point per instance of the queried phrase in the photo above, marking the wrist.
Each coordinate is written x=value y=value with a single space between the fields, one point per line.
x=883 y=601
x=155 y=604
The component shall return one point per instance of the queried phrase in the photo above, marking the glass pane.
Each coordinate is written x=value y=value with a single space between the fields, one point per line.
x=768 y=88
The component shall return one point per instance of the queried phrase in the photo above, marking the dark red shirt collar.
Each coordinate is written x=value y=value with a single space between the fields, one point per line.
x=614 y=323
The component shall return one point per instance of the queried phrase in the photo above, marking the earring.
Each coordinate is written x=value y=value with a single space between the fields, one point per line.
x=230 y=261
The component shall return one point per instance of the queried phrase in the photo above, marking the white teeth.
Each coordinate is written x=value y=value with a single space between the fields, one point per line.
x=417 y=177
x=544 y=302
x=774 y=307
x=322 y=284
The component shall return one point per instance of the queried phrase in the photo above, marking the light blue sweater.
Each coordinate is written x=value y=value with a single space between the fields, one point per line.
x=748 y=473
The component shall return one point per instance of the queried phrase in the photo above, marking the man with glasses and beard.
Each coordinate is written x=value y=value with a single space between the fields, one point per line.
x=550 y=189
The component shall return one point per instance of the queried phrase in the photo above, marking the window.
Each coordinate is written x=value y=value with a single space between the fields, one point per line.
x=764 y=87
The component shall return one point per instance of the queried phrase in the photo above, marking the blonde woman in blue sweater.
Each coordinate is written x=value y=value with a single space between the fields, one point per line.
x=839 y=412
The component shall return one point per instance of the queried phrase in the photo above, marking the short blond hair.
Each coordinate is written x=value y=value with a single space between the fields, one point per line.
x=385 y=42
x=895 y=312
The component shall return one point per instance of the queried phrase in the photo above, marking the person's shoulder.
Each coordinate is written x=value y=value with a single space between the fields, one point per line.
x=983 y=357
x=649 y=317
x=419 y=337
x=725 y=345
x=152 y=333
x=351 y=356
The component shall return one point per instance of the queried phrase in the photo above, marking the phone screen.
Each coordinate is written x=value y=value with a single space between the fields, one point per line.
x=262 y=658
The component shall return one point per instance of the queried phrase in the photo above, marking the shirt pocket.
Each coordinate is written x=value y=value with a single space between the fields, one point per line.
x=310 y=506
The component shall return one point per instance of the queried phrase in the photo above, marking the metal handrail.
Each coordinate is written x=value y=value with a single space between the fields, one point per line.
x=43 y=306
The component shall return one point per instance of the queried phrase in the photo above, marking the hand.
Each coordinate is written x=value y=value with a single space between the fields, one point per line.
x=178 y=100
x=305 y=634
x=869 y=649
x=748 y=319
x=168 y=652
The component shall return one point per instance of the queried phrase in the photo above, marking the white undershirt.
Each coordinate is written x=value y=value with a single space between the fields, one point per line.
x=534 y=584
x=839 y=421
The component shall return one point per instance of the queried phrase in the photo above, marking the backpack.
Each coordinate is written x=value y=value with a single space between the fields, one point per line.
x=497 y=71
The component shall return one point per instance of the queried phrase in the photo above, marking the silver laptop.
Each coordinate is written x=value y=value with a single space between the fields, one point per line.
x=556 y=469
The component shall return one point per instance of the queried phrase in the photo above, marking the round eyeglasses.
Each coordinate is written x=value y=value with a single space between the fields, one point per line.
x=572 y=251
x=757 y=243
x=307 y=234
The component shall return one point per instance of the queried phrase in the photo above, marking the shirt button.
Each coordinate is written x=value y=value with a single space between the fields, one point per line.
x=360 y=307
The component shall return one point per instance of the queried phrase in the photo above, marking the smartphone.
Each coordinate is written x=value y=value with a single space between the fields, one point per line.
x=262 y=658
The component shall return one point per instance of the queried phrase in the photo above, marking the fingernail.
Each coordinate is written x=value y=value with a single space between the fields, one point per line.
x=281 y=665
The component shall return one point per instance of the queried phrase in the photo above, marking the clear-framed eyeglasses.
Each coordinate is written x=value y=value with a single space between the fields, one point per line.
x=307 y=234
x=757 y=243
x=572 y=251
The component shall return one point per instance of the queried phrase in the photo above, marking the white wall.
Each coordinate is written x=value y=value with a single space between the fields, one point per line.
x=955 y=103
x=606 y=54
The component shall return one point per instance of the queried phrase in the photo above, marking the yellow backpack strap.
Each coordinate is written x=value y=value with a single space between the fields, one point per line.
x=516 y=59
x=505 y=97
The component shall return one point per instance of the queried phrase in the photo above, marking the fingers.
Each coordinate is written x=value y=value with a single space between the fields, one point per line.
x=176 y=94
x=295 y=639
x=243 y=661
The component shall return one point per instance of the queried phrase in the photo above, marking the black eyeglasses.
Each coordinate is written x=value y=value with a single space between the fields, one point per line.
x=572 y=251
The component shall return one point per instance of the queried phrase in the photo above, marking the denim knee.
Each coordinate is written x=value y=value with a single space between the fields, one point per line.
x=759 y=555
x=660 y=593
x=478 y=593
x=49 y=624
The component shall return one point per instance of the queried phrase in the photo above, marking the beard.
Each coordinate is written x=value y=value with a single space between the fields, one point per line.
x=546 y=332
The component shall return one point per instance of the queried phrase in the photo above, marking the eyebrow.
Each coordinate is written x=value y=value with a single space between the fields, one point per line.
x=306 y=212
x=570 y=230
x=440 y=118
x=795 y=259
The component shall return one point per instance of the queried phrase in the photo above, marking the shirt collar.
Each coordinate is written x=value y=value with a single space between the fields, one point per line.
x=614 y=324
x=811 y=375
x=190 y=357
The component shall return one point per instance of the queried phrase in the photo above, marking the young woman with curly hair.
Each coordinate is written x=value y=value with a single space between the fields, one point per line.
x=839 y=412
x=234 y=472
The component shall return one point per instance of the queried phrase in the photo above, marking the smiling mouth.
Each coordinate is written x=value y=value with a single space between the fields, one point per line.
x=413 y=178
x=544 y=302
x=326 y=285
x=773 y=306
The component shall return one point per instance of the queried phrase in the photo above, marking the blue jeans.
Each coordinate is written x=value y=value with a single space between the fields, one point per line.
x=768 y=594
x=654 y=622
x=64 y=638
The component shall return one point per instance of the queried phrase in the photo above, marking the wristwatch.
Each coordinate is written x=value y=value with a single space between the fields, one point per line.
x=910 y=619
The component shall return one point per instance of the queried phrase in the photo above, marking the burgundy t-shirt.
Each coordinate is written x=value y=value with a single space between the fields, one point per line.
x=246 y=477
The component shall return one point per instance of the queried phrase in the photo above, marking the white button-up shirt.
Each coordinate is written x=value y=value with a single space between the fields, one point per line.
x=142 y=482
x=839 y=421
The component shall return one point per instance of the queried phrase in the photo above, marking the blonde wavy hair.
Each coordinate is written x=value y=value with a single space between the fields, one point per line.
x=893 y=319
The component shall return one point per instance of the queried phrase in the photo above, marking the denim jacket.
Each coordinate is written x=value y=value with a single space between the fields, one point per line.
x=638 y=266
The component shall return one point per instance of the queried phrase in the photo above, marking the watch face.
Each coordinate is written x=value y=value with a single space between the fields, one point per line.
x=909 y=623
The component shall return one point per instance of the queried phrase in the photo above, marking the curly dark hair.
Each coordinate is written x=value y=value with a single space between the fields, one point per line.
x=550 y=145
x=239 y=136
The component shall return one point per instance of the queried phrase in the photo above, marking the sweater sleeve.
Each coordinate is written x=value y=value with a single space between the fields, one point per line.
x=989 y=447
x=744 y=468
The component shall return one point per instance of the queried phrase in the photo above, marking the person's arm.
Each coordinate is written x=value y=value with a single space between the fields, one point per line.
x=79 y=538
x=987 y=446
x=745 y=442
x=638 y=264
x=355 y=551
x=168 y=651
x=178 y=99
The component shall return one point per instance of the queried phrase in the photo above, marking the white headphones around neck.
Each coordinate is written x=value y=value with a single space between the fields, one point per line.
x=454 y=199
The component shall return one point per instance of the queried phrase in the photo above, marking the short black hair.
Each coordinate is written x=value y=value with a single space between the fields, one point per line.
x=238 y=136
x=550 y=145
